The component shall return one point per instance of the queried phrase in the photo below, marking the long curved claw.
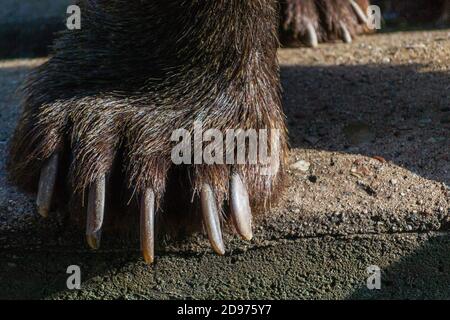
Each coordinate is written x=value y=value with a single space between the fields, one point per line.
x=211 y=219
x=148 y=226
x=46 y=188
x=359 y=12
x=96 y=210
x=311 y=36
x=240 y=207
x=346 y=36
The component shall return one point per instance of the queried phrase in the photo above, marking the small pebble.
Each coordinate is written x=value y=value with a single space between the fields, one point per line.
x=301 y=165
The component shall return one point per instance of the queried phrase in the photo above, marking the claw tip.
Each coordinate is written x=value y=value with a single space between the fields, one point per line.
x=219 y=249
x=148 y=258
x=43 y=212
x=248 y=236
x=93 y=242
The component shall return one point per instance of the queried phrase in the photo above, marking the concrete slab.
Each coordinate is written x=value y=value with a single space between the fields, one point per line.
x=370 y=123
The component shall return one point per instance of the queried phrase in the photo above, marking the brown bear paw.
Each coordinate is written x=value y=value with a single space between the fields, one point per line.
x=107 y=150
x=313 y=21
x=96 y=135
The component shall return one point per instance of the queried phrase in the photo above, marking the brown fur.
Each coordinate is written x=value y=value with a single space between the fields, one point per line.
x=113 y=92
x=325 y=15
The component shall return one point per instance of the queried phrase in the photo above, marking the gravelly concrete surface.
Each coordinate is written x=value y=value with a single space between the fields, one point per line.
x=369 y=126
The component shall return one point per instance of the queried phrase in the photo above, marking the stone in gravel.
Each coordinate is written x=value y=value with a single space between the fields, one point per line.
x=311 y=140
x=301 y=165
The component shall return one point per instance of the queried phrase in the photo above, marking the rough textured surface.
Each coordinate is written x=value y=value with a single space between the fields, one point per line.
x=369 y=126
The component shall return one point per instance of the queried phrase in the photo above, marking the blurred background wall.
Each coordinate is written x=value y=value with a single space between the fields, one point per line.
x=27 y=26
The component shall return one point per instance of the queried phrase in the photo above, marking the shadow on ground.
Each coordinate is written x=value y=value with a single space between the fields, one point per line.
x=413 y=267
x=423 y=274
x=398 y=112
